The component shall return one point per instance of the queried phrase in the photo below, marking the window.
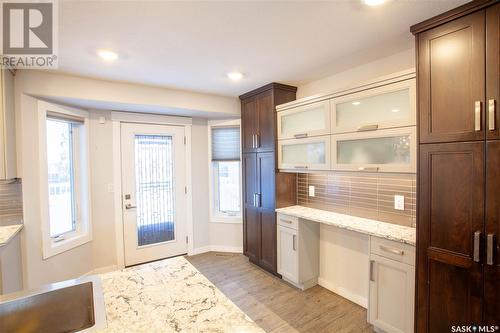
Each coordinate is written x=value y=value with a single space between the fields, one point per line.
x=64 y=178
x=225 y=166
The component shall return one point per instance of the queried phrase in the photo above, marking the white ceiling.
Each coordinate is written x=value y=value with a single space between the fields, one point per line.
x=192 y=45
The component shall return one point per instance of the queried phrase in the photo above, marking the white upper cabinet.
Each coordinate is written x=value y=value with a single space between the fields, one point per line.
x=388 y=106
x=7 y=126
x=304 y=121
x=303 y=154
x=390 y=150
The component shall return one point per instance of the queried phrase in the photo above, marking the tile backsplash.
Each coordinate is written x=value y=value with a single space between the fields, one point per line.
x=368 y=195
x=11 y=203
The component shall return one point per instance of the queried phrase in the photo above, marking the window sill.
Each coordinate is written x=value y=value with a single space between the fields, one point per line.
x=226 y=219
x=51 y=248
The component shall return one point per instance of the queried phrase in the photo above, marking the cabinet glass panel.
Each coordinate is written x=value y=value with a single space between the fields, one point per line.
x=384 y=107
x=384 y=150
x=309 y=120
x=311 y=153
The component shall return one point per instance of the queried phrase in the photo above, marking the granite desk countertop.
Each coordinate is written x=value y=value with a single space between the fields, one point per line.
x=169 y=295
x=8 y=232
x=380 y=229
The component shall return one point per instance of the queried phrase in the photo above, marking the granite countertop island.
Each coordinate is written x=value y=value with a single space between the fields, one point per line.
x=380 y=229
x=169 y=296
x=8 y=232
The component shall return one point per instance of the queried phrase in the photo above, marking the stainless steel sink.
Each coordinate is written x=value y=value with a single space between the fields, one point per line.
x=68 y=306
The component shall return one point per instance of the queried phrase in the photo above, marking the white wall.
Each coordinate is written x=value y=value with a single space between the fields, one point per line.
x=101 y=252
x=381 y=67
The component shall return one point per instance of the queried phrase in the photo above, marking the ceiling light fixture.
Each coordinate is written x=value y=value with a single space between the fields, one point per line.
x=235 y=76
x=356 y=103
x=107 y=55
x=373 y=2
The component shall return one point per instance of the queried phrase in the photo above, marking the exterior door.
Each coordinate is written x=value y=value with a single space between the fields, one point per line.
x=451 y=62
x=251 y=227
x=450 y=233
x=492 y=232
x=493 y=71
x=153 y=185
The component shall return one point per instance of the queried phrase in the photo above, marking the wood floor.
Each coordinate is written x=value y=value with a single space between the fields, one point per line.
x=275 y=305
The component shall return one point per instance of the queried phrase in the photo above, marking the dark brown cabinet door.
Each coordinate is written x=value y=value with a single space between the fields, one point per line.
x=451 y=212
x=266 y=203
x=451 y=67
x=251 y=218
x=492 y=232
x=249 y=124
x=493 y=71
x=266 y=122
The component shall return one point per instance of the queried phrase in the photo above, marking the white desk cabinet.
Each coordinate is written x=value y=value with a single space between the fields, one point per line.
x=298 y=251
x=392 y=286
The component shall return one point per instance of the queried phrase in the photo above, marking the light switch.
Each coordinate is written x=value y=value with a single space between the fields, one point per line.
x=399 y=202
x=311 y=191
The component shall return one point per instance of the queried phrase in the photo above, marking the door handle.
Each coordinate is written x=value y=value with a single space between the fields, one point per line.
x=372 y=127
x=491 y=114
x=490 y=247
x=372 y=262
x=294 y=237
x=477 y=246
x=477 y=115
x=129 y=206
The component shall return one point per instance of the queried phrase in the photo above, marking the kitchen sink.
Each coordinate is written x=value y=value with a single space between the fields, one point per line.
x=68 y=306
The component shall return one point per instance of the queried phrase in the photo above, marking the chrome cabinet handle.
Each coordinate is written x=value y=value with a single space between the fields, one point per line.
x=372 y=262
x=300 y=136
x=258 y=199
x=391 y=250
x=371 y=127
x=368 y=169
x=253 y=140
x=477 y=115
x=293 y=242
x=490 y=246
x=491 y=114
x=257 y=141
x=255 y=199
x=300 y=166
x=129 y=206
x=477 y=244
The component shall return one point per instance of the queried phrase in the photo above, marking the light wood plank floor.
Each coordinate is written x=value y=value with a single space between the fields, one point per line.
x=275 y=305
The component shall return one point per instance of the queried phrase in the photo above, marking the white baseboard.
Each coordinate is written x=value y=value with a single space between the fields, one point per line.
x=217 y=248
x=102 y=270
x=358 y=299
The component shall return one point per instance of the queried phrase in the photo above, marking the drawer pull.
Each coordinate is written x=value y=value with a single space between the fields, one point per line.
x=300 y=136
x=286 y=221
x=374 y=169
x=300 y=166
x=391 y=250
x=372 y=127
x=477 y=116
x=491 y=115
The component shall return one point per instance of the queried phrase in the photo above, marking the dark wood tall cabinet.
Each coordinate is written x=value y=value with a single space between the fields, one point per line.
x=458 y=215
x=261 y=180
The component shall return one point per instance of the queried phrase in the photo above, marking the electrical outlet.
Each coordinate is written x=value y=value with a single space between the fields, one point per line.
x=312 y=191
x=399 y=202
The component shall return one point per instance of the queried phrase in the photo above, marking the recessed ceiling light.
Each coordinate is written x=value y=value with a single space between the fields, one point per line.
x=395 y=110
x=356 y=103
x=373 y=2
x=235 y=76
x=107 y=55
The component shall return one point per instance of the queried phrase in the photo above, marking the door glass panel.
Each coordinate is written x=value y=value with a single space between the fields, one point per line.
x=392 y=106
x=385 y=150
x=306 y=121
x=154 y=170
x=305 y=153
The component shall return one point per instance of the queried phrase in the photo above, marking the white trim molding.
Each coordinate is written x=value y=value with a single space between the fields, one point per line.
x=146 y=118
x=217 y=248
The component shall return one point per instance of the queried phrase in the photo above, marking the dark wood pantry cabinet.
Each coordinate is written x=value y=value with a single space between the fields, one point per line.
x=458 y=214
x=261 y=180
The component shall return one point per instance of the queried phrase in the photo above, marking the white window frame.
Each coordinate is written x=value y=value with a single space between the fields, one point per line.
x=215 y=216
x=52 y=246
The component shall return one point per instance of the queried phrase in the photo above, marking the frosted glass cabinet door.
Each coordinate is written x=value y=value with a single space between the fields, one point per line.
x=304 y=121
x=391 y=150
x=299 y=154
x=389 y=106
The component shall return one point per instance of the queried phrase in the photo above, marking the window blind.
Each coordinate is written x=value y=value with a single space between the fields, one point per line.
x=225 y=143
